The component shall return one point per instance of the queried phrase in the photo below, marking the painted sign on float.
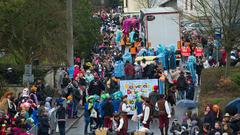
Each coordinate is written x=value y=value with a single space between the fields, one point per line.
x=131 y=88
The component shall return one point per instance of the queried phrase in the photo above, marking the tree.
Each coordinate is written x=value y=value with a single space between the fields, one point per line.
x=32 y=29
x=147 y=3
x=86 y=28
x=224 y=15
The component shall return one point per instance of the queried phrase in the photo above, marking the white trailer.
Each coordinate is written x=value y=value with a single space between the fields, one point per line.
x=160 y=26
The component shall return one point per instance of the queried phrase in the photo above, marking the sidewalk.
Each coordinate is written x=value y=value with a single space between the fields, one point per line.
x=71 y=122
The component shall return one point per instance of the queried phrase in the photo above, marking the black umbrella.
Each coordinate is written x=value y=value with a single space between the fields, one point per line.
x=233 y=106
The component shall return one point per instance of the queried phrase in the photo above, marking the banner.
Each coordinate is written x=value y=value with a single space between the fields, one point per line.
x=132 y=88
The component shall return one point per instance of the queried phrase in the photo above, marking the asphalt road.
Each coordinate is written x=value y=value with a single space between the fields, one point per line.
x=78 y=127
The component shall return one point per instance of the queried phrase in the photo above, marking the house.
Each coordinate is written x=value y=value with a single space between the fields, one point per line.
x=134 y=6
x=188 y=8
x=105 y=3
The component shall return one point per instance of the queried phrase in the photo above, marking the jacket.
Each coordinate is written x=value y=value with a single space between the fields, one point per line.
x=61 y=114
x=108 y=109
x=43 y=125
x=182 y=83
x=95 y=87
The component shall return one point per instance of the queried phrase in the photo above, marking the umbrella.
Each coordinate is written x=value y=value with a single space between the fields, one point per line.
x=233 y=106
x=185 y=103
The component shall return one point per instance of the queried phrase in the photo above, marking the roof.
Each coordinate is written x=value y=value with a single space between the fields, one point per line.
x=158 y=10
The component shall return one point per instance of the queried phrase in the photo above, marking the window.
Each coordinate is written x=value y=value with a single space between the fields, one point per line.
x=126 y=3
x=186 y=4
x=191 y=4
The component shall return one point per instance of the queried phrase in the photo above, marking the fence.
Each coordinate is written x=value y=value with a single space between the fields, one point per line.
x=52 y=123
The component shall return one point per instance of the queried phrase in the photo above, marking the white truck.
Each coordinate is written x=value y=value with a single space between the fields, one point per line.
x=160 y=26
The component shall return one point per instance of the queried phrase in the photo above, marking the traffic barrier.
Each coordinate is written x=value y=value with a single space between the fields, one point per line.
x=52 y=123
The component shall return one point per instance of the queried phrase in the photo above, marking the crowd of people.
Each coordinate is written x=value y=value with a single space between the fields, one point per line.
x=94 y=85
x=20 y=113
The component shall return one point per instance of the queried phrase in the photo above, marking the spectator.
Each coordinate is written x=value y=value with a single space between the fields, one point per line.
x=217 y=129
x=33 y=95
x=209 y=116
x=60 y=115
x=43 y=124
x=96 y=86
x=199 y=67
x=182 y=86
x=76 y=99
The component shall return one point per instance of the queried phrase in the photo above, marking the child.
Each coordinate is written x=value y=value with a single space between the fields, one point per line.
x=69 y=106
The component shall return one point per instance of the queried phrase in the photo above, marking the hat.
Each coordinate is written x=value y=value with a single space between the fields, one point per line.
x=226 y=115
x=69 y=97
x=174 y=81
x=155 y=88
x=125 y=96
x=8 y=93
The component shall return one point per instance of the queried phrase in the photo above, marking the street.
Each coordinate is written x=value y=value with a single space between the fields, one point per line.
x=78 y=127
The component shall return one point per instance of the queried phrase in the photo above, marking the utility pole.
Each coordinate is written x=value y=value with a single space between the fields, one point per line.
x=70 y=33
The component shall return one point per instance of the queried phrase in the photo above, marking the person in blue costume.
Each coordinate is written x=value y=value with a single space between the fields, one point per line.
x=127 y=57
x=101 y=111
x=116 y=100
x=161 y=55
x=191 y=66
x=142 y=52
x=119 y=69
x=172 y=58
x=131 y=36
x=167 y=55
x=160 y=49
x=150 y=52
x=118 y=35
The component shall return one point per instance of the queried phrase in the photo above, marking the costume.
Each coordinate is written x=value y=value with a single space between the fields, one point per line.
x=164 y=114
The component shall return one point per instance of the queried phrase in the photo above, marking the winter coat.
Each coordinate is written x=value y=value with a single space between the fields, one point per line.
x=210 y=118
x=61 y=113
x=95 y=87
x=108 y=109
x=43 y=125
x=182 y=83
x=76 y=94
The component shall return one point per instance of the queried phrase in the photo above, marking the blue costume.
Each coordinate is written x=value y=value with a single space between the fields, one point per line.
x=191 y=66
x=119 y=69
x=127 y=57
x=116 y=100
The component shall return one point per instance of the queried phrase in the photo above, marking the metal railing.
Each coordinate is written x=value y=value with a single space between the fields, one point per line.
x=33 y=130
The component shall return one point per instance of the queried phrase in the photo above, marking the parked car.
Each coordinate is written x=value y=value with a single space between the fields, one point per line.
x=196 y=26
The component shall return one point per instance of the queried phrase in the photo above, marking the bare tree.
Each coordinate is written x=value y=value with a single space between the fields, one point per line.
x=223 y=15
x=147 y=3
